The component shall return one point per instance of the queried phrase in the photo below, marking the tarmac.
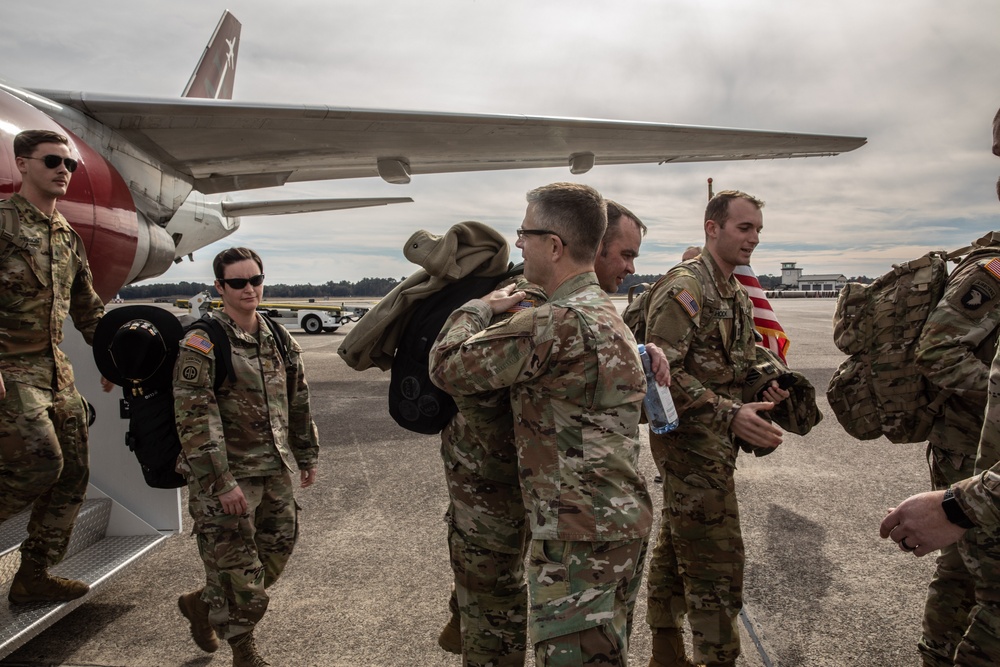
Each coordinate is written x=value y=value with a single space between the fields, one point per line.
x=368 y=584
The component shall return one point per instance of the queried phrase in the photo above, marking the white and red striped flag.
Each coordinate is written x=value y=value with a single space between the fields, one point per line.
x=764 y=319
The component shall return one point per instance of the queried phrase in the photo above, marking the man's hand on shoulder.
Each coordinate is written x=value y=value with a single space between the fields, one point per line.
x=3 y=389
x=748 y=425
x=504 y=299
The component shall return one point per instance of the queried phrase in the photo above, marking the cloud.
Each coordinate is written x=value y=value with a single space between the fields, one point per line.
x=919 y=80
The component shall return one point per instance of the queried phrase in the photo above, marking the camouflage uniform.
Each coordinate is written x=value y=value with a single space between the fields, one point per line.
x=43 y=419
x=979 y=497
x=704 y=325
x=954 y=352
x=253 y=433
x=576 y=385
x=486 y=525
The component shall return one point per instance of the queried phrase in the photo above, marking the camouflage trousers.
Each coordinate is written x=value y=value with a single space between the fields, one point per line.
x=486 y=539
x=44 y=462
x=951 y=592
x=582 y=595
x=244 y=555
x=697 y=564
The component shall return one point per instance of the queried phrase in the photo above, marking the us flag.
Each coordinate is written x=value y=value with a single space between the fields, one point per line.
x=764 y=319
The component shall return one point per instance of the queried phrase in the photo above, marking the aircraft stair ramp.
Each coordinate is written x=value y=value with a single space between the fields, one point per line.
x=106 y=539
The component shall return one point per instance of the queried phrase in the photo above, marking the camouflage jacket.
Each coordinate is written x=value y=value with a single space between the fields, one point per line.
x=979 y=498
x=576 y=386
x=480 y=437
x=38 y=289
x=704 y=324
x=253 y=427
x=956 y=347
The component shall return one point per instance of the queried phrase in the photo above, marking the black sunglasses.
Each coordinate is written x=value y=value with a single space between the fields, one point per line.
x=240 y=283
x=53 y=161
x=539 y=232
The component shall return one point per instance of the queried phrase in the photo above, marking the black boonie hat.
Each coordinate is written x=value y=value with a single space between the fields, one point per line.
x=136 y=346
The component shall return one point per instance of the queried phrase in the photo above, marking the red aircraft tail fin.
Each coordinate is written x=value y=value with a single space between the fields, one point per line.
x=216 y=71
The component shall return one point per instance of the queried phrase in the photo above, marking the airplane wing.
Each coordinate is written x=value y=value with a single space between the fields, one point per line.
x=286 y=206
x=227 y=146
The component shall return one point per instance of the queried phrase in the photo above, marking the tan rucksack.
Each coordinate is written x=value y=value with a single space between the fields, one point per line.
x=879 y=390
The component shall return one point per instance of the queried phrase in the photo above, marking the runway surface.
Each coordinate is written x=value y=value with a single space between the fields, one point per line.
x=368 y=583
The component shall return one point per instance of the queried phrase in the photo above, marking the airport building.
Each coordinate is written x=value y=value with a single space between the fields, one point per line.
x=793 y=279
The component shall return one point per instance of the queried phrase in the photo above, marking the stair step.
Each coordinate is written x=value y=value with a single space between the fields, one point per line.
x=96 y=564
x=90 y=527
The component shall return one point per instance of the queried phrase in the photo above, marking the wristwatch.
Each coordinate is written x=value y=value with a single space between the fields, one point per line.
x=954 y=511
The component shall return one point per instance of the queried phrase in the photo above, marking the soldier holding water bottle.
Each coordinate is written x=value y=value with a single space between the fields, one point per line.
x=703 y=320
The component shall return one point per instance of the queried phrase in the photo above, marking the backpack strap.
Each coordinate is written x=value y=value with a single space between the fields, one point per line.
x=10 y=230
x=282 y=339
x=223 y=348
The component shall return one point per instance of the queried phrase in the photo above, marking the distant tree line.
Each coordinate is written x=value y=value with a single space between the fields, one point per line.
x=366 y=287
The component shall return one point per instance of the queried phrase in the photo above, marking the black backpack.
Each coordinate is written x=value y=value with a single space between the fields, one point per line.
x=152 y=432
x=414 y=402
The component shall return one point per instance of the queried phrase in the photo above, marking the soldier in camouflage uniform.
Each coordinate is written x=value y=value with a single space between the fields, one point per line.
x=44 y=459
x=486 y=523
x=953 y=353
x=940 y=520
x=702 y=318
x=576 y=384
x=241 y=445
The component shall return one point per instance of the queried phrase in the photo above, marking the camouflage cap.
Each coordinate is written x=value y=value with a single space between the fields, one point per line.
x=796 y=414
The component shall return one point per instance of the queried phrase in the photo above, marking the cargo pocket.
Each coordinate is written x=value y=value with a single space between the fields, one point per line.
x=556 y=610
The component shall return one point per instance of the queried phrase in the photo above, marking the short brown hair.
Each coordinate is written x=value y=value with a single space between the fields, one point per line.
x=232 y=256
x=26 y=142
x=718 y=206
x=615 y=214
x=576 y=212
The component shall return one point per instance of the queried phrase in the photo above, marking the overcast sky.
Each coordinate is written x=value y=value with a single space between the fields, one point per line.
x=919 y=78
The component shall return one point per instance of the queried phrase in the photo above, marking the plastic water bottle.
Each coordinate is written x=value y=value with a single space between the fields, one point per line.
x=660 y=410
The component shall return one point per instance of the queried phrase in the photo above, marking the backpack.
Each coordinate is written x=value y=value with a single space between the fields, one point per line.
x=152 y=432
x=415 y=403
x=879 y=390
x=635 y=312
x=10 y=230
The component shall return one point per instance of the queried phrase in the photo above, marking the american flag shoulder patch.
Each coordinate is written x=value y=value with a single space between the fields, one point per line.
x=687 y=302
x=993 y=266
x=200 y=343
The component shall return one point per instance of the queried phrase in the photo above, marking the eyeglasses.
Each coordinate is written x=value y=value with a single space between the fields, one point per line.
x=240 y=283
x=53 y=161
x=538 y=232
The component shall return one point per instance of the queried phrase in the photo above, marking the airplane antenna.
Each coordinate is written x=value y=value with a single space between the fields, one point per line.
x=710 y=193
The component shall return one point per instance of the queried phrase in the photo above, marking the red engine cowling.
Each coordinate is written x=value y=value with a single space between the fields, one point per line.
x=98 y=203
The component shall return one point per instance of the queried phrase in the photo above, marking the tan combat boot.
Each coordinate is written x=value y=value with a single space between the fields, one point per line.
x=668 y=649
x=450 y=638
x=195 y=610
x=33 y=584
x=245 y=651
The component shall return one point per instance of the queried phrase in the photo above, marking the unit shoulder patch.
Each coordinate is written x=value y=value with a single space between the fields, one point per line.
x=978 y=291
